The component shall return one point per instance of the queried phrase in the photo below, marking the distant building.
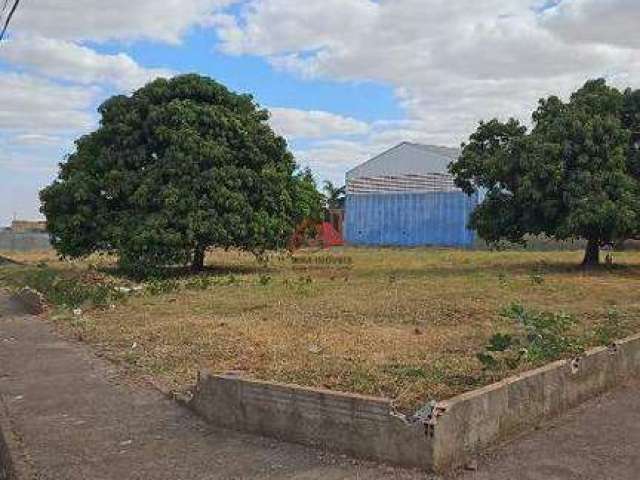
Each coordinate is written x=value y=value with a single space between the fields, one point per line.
x=406 y=197
x=24 y=226
x=25 y=235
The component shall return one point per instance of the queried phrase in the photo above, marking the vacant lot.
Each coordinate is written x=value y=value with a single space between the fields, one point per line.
x=407 y=324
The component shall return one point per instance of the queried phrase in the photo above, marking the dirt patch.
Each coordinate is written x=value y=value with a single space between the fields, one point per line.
x=403 y=324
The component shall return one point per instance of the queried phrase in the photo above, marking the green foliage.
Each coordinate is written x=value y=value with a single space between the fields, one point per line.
x=541 y=337
x=407 y=372
x=159 y=286
x=613 y=328
x=178 y=166
x=576 y=174
x=199 y=282
x=500 y=342
x=537 y=278
x=334 y=196
x=306 y=197
x=71 y=291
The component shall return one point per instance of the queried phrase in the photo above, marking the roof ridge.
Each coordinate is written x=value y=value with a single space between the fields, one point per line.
x=378 y=155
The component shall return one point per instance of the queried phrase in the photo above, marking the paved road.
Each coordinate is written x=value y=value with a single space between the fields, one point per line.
x=77 y=419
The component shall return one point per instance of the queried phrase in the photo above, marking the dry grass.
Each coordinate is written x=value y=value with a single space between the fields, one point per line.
x=400 y=323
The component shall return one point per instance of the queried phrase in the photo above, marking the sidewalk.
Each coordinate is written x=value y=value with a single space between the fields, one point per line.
x=74 y=419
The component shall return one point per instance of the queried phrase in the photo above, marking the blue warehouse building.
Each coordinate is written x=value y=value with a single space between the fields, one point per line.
x=406 y=197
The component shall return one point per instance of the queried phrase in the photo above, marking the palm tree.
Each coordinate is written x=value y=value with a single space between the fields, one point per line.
x=10 y=11
x=333 y=195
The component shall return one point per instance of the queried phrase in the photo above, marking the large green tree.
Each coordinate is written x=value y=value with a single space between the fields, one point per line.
x=574 y=174
x=178 y=166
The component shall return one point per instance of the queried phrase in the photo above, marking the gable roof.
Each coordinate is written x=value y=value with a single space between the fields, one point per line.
x=407 y=158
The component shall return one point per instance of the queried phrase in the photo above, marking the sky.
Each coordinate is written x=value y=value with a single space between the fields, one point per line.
x=343 y=79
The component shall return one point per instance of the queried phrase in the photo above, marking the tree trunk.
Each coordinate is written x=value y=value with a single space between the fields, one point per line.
x=591 y=254
x=198 y=258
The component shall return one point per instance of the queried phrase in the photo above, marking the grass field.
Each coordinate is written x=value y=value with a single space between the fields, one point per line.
x=407 y=324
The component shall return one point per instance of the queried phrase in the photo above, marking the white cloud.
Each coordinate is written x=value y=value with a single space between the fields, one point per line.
x=97 y=20
x=451 y=63
x=69 y=61
x=35 y=139
x=37 y=106
x=310 y=124
x=613 y=22
x=263 y=30
x=332 y=158
x=56 y=79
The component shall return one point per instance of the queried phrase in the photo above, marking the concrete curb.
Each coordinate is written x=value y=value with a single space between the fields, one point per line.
x=441 y=436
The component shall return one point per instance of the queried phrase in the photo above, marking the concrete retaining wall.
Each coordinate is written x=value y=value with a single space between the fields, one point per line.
x=481 y=417
x=361 y=426
x=442 y=436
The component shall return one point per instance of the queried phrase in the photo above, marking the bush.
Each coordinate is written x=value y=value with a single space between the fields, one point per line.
x=613 y=328
x=70 y=291
x=540 y=337
x=158 y=286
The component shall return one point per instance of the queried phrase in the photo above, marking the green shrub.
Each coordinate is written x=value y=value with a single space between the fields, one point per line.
x=540 y=337
x=69 y=290
x=612 y=328
x=199 y=282
x=157 y=286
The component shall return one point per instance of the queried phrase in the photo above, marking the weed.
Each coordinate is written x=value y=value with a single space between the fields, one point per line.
x=405 y=371
x=536 y=278
x=542 y=336
x=70 y=291
x=365 y=319
x=200 y=282
x=612 y=328
x=157 y=286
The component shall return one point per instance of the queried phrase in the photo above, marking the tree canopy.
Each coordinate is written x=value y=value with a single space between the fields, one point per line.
x=178 y=166
x=574 y=174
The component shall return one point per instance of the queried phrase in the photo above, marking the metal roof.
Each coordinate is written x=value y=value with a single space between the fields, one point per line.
x=407 y=158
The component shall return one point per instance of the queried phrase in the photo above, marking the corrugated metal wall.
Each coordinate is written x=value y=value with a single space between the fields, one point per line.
x=409 y=219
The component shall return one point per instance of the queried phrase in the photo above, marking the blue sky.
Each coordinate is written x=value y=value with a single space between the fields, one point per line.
x=344 y=79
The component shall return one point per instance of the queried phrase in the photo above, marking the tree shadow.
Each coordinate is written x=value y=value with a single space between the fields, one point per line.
x=522 y=268
x=185 y=272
